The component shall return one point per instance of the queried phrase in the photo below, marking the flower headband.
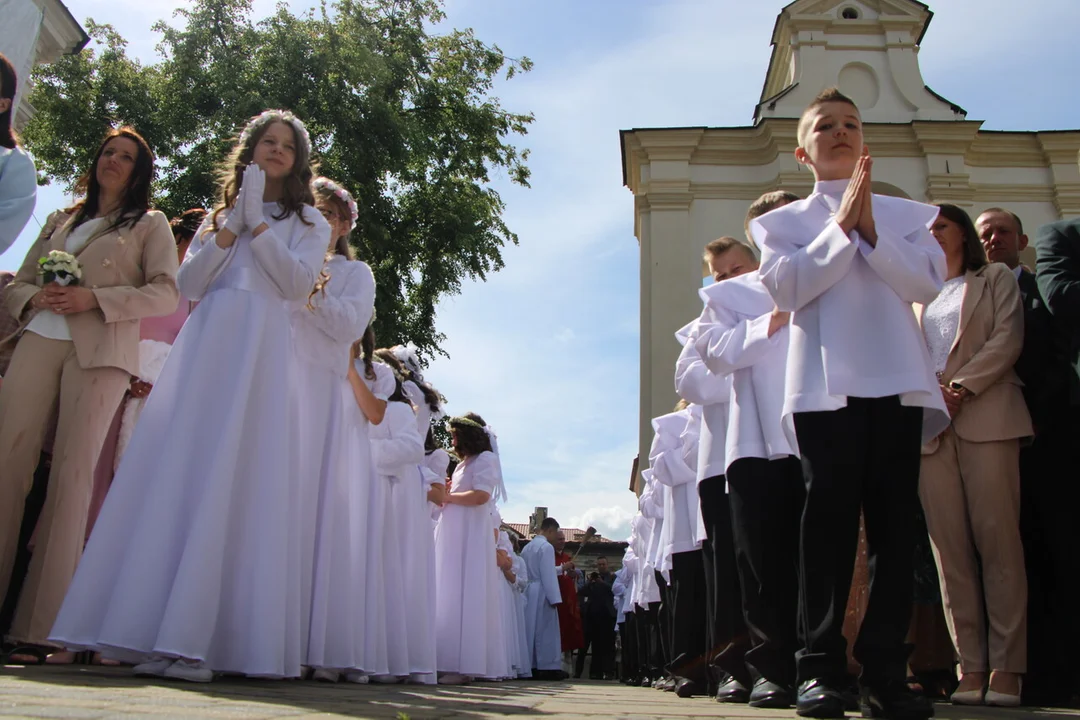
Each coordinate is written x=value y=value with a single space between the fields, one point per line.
x=325 y=184
x=268 y=116
x=467 y=422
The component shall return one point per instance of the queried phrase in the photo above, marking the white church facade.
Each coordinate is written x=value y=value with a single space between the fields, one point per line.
x=35 y=32
x=694 y=184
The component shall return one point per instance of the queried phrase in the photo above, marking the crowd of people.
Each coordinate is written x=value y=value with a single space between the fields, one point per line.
x=209 y=467
x=862 y=475
x=867 y=471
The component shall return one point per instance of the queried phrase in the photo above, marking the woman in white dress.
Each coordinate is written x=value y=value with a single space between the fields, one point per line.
x=467 y=618
x=333 y=442
x=194 y=565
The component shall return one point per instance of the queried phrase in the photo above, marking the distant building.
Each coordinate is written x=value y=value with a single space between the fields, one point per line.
x=694 y=184
x=35 y=32
x=597 y=545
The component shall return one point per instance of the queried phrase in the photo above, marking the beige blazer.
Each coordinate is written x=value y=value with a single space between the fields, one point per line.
x=988 y=342
x=132 y=272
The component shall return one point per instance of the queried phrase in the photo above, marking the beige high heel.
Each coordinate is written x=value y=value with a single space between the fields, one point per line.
x=996 y=699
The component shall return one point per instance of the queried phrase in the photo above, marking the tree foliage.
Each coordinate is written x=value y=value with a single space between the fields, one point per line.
x=403 y=117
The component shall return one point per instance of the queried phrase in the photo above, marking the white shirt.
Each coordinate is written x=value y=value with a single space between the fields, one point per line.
x=694 y=383
x=737 y=342
x=853 y=332
x=673 y=460
x=941 y=320
x=46 y=323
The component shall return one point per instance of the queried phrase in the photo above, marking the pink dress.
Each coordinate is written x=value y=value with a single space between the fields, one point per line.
x=162 y=329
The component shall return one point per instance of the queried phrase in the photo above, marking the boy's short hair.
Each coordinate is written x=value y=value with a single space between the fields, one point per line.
x=721 y=245
x=828 y=95
x=766 y=203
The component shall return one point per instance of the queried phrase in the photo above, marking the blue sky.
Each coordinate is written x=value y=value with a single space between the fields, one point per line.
x=547 y=349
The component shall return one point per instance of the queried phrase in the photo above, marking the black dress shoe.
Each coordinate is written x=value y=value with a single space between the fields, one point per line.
x=819 y=699
x=686 y=687
x=732 y=691
x=767 y=694
x=896 y=701
x=646 y=682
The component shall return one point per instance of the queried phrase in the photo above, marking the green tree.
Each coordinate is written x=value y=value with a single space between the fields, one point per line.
x=403 y=117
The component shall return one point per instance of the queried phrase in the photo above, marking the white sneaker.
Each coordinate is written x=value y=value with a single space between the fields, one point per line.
x=190 y=670
x=153 y=668
x=326 y=675
x=357 y=677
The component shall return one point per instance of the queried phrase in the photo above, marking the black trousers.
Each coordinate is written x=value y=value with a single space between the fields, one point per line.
x=662 y=641
x=600 y=637
x=767 y=498
x=689 y=644
x=725 y=629
x=631 y=662
x=1049 y=497
x=863 y=455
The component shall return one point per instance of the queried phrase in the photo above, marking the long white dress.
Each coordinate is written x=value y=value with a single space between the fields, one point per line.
x=398 y=450
x=335 y=459
x=374 y=611
x=467 y=619
x=541 y=597
x=197 y=550
x=513 y=613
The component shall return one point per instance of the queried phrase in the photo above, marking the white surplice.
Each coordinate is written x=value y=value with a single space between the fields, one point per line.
x=673 y=460
x=197 y=550
x=334 y=450
x=734 y=340
x=853 y=333
x=541 y=597
x=467 y=620
x=409 y=563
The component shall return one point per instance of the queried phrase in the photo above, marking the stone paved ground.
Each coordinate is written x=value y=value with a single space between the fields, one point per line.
x=95 y=692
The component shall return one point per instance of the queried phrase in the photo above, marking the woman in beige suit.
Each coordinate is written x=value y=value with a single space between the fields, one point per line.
x=970 y=477
x=77 y=349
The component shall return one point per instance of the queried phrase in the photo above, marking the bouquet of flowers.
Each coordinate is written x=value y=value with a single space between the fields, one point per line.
x=60 y=267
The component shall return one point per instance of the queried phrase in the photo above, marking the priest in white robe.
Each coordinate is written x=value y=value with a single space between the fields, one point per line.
x=541 y=597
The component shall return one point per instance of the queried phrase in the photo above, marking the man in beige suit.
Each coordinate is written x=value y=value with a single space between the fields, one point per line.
x=77 y=346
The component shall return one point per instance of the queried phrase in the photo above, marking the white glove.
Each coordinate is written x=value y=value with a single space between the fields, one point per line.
x=254 y=187
x=234 y=221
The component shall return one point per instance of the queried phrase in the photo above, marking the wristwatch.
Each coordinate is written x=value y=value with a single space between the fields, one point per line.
x=957 y=387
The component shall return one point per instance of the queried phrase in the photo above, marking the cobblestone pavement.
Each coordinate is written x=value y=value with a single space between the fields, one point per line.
x=97 y=692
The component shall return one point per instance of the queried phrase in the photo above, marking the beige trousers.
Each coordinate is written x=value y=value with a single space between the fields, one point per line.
x=970 y=493
x=41 y=372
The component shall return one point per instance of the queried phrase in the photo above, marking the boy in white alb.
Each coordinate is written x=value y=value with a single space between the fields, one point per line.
x=725 y=629
x=848 y=264
x=744 y=336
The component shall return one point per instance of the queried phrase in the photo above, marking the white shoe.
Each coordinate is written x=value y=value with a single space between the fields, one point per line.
x=357 y=677
x=326 y=675
x=190 y=670
x=997 y=699
x=454 y=679
x=967 y=697
x=153 y=668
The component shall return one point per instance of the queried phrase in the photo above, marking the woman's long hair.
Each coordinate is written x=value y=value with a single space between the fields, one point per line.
x=136 y=198
x=9 y=84
x=974 y=253
x=297 y=186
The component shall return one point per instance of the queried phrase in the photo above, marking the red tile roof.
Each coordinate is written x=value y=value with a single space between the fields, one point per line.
x=572 y=534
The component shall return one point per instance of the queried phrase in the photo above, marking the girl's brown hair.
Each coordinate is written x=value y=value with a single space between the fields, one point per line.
x=364 y=349
x=186 y=223
x=136 y=199
x=471 y=441
x=9 y=83
x=297 y=186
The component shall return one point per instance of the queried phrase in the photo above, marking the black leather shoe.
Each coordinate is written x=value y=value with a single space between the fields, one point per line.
x=767 y=694
x=646 y=682
x=819 y=699
x=732 y=691
x=689 y=688
x=896 y=701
